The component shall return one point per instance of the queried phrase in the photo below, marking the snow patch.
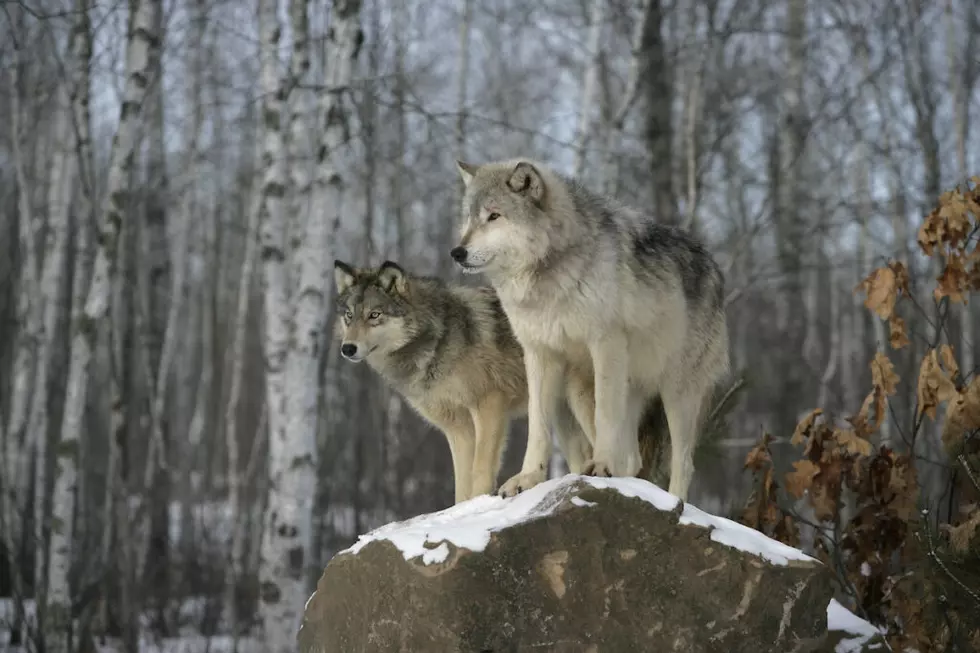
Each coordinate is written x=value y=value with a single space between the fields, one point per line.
x=841 y=619
x=469 y=525
x=741 y=537
x=436 y=555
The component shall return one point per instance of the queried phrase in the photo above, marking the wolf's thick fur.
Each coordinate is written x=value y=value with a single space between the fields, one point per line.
x=626 y=310
x=450 y=351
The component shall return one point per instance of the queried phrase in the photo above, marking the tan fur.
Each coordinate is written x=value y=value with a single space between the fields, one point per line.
x=611 y=308
x=449 y=350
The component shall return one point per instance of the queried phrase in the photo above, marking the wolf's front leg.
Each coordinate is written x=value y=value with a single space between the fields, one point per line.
x=616 y=452
x=544 y=386
x=461 y=447
x=490 y=421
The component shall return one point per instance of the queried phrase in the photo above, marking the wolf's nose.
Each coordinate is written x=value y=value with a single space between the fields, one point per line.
x=458 y=254
x=348 y=350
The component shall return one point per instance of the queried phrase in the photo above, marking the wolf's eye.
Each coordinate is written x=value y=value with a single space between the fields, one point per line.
x=374 y=315
x=492 y=217
x=348 y=315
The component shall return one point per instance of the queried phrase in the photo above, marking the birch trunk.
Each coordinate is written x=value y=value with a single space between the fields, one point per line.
x=141 y=41
x=590 y=85
x=201 y=247
x=301 y=105
x=292 y=447
x=275 y=600
x=237 y=357
x=462 y=93
x=30 y=320
x=66 y=479
x=61 y=186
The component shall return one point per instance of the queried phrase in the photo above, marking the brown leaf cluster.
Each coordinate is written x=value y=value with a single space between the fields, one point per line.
x=947 y=231
x=884 y=287
x=881 y=554
x=936 y=380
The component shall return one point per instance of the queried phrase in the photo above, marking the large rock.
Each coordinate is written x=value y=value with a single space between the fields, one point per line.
x=575 y=564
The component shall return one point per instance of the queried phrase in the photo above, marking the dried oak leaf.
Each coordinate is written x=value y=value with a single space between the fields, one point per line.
x=954 y=210
x=935 y=385
x=896 y=331
x=954 y=281
x=759 y=455
x=966 y=535
x=883 y=374
x=932 y=232
x=805 y=427
x=949 y=361
x=851 y=441
x=962 y=415
x=801 y=478
x=881 y=287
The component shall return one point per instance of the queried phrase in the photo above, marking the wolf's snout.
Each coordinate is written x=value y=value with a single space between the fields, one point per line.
x=348 y=350
x=458 y=254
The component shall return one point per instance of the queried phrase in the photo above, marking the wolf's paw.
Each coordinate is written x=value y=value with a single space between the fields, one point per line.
x=593 y=468
x=629 y=466
x=519 y=483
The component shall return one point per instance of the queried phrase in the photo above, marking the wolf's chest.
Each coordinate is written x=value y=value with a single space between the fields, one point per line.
x=549 y=327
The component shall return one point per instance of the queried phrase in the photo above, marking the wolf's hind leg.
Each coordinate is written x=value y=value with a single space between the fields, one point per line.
x=490 y=421
x=572 y=441
x=683 y=416
x=580 y=393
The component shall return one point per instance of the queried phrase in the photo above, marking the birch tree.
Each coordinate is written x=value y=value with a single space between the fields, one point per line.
x=292 y=446
x=61 y=188
x=76 y=156
x=141 y=42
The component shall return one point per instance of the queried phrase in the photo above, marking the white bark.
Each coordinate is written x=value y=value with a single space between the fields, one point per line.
x=237 y=359
x=462 y=76
x=29 y=318
x=201 y=248
x=75 y=135
x=276 y=592
x=302 y=111
x=292 y=447
x=61 y=187
x=590 y=85
x=141 y=41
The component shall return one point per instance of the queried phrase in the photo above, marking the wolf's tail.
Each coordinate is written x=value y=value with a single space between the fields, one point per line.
x=654 y=441
x=654 y=434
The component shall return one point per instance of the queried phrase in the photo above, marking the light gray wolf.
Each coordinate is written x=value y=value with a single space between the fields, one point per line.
x=628 y=311
x=450 y=351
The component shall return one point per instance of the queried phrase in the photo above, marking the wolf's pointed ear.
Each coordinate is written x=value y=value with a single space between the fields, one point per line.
x=343 y=275
x=467 y=171
x=527 y=181
x=392 y=277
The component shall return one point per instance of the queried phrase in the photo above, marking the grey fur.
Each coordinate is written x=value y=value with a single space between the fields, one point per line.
x=450 y=351
x=599 y=294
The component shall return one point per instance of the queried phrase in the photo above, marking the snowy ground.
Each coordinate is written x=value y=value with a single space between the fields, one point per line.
x=469 y=524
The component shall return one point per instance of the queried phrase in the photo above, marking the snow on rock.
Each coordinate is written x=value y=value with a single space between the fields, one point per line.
x=469 y=525
x=840 y=619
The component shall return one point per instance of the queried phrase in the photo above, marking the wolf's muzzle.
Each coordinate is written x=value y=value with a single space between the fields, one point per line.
x=348 y=350
x=459 y=254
